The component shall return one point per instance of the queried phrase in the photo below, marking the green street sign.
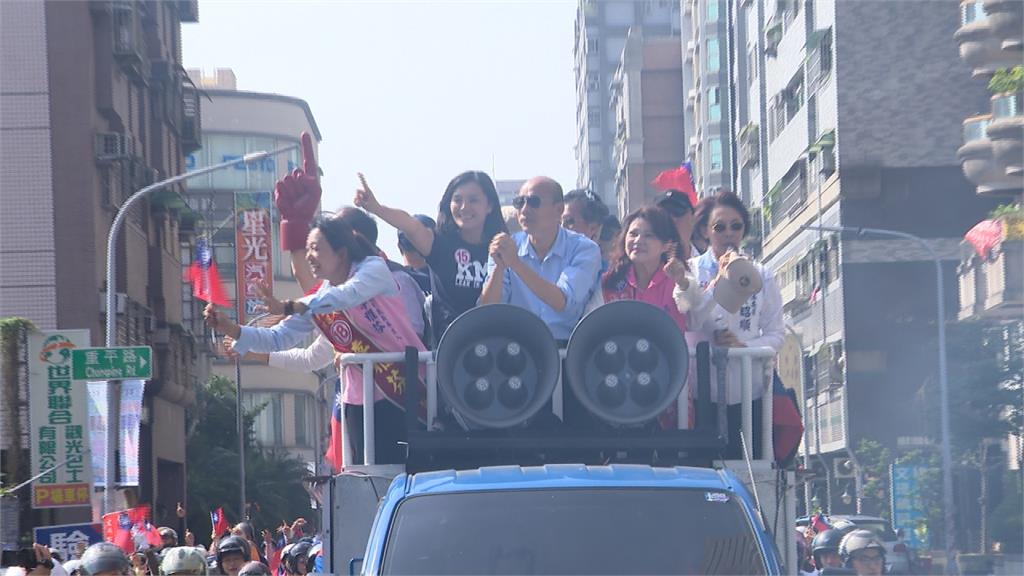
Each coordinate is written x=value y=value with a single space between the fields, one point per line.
x=118 y=363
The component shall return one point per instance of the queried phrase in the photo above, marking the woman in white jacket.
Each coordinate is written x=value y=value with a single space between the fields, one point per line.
x=757 y=323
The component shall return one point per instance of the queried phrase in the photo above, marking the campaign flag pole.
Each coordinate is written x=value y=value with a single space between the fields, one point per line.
x=113 y=386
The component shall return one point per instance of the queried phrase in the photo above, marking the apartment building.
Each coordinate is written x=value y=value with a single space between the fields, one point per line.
x=95 y=107
x=847 y=114
x=600 y=36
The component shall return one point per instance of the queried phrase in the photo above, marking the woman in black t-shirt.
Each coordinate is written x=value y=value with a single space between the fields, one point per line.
x=468 y=217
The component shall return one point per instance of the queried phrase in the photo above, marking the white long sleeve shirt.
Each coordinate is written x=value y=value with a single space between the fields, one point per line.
x=313 y=357
x=758 y=323
x=370 y=277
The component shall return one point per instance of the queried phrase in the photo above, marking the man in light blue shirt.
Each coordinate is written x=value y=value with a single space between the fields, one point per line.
x=546 y=269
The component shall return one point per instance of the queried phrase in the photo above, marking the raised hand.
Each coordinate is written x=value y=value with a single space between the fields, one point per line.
x=297 y=197
x=675 y=268
x=364 y=197
x=219 y=321
x=270 y=304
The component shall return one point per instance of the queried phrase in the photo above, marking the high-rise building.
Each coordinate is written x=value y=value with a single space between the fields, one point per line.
x=848 y=114
x=294 y=414
x=507 y=190
x=648 y=106
x=706 y=38
x=94 y=109
x=601 y=28
x=991 y=271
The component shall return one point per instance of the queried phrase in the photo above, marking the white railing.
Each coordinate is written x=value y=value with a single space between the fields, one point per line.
x=744 y=357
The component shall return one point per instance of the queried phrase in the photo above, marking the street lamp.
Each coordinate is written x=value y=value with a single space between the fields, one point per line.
x=947 y=464
x=111 y=324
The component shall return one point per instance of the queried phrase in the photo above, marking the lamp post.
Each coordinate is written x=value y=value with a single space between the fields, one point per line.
x=947 y=458
x=111 y=321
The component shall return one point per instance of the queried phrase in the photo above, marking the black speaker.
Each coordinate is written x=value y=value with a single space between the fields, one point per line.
x=497 y=365
x=626 y=362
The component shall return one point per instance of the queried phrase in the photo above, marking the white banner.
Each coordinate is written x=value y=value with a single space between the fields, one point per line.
x=98 y=431
x=131 y=417
x=58 y=416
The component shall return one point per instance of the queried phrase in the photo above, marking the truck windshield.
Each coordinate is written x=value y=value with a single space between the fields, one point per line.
x=573 y=531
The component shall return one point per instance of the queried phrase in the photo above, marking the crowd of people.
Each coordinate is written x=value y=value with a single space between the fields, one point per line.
x=560 y=262
x=839 y=545
x=234 y=552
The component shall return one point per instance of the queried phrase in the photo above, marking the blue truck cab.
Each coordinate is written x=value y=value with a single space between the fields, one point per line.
x=569 y=519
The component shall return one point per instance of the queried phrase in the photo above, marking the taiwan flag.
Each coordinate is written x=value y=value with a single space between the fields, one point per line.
x=680 y=178
x=206 y=285
x=121 y=527
x=220 y=523
x=334 y=449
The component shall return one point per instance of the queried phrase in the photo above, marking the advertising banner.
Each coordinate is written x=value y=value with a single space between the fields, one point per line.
x=59 y=420
x=253 y=250
x=131 y=418
x=97 y=394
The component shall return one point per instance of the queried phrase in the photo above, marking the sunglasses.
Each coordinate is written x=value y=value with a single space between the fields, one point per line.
x=720 y=227
x=867 y=557
x=526 y=200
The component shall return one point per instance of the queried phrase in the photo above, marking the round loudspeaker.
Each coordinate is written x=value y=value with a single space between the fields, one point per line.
x=626 y=362
x=497 y=365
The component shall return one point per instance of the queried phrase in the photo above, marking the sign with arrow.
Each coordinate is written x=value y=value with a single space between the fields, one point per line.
x=117 y=363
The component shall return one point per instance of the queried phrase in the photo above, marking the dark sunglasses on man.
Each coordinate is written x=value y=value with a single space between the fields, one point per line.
x=526 y=200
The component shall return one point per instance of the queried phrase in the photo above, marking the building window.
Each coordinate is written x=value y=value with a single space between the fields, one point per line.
x=972 y=12
x=714 y=105
x=712 y=11
x=305 y=419
x=752 y=63
x=713 y=56
x=594 y=117
x=715 y=153
x=593 y=82
x=267 y=423
x=592 y=45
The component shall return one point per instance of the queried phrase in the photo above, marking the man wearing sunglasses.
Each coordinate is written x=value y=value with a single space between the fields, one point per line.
x=545 y=269
x=679 y=206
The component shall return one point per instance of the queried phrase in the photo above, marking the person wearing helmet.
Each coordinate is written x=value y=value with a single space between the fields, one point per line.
x=183 y=560
x=232 y=554
x=104 y=559
x=863 y=552
x=315 y=558
x=825 y=549
x=254 y=569
x=294 y=558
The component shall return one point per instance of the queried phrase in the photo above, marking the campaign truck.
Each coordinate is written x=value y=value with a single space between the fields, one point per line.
x=602 y=455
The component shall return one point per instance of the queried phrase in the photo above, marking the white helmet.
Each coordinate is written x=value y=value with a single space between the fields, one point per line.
x=183 y=560
x=859 y=540
x=104 y=557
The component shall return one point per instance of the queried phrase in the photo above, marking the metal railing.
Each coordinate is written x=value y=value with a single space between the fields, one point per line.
x=745 y=358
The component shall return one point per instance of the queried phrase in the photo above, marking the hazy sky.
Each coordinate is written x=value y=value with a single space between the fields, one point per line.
x=409 y=93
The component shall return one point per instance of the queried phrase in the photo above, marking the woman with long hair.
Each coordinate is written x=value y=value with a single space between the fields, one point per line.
x=468 y=217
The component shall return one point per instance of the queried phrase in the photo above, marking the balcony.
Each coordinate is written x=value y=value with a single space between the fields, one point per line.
x=980 y=48
x=978 y=162
x=191 y=131
x=1006 y=20
x=992 y=285
x=129 y=43
x=1006 y=133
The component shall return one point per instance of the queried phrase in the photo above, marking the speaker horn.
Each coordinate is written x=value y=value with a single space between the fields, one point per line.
x=497 y=365
x=626 y=362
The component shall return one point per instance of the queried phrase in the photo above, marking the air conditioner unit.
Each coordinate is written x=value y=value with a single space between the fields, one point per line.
x=111 y=146
x=691 y=50
x=688 y=7
x=844 y=468
x=120 y=302
x=691 y=98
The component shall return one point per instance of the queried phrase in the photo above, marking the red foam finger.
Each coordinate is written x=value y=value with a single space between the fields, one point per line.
x=309 y=165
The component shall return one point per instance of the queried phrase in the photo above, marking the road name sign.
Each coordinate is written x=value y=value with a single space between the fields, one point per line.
x=117 y=363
